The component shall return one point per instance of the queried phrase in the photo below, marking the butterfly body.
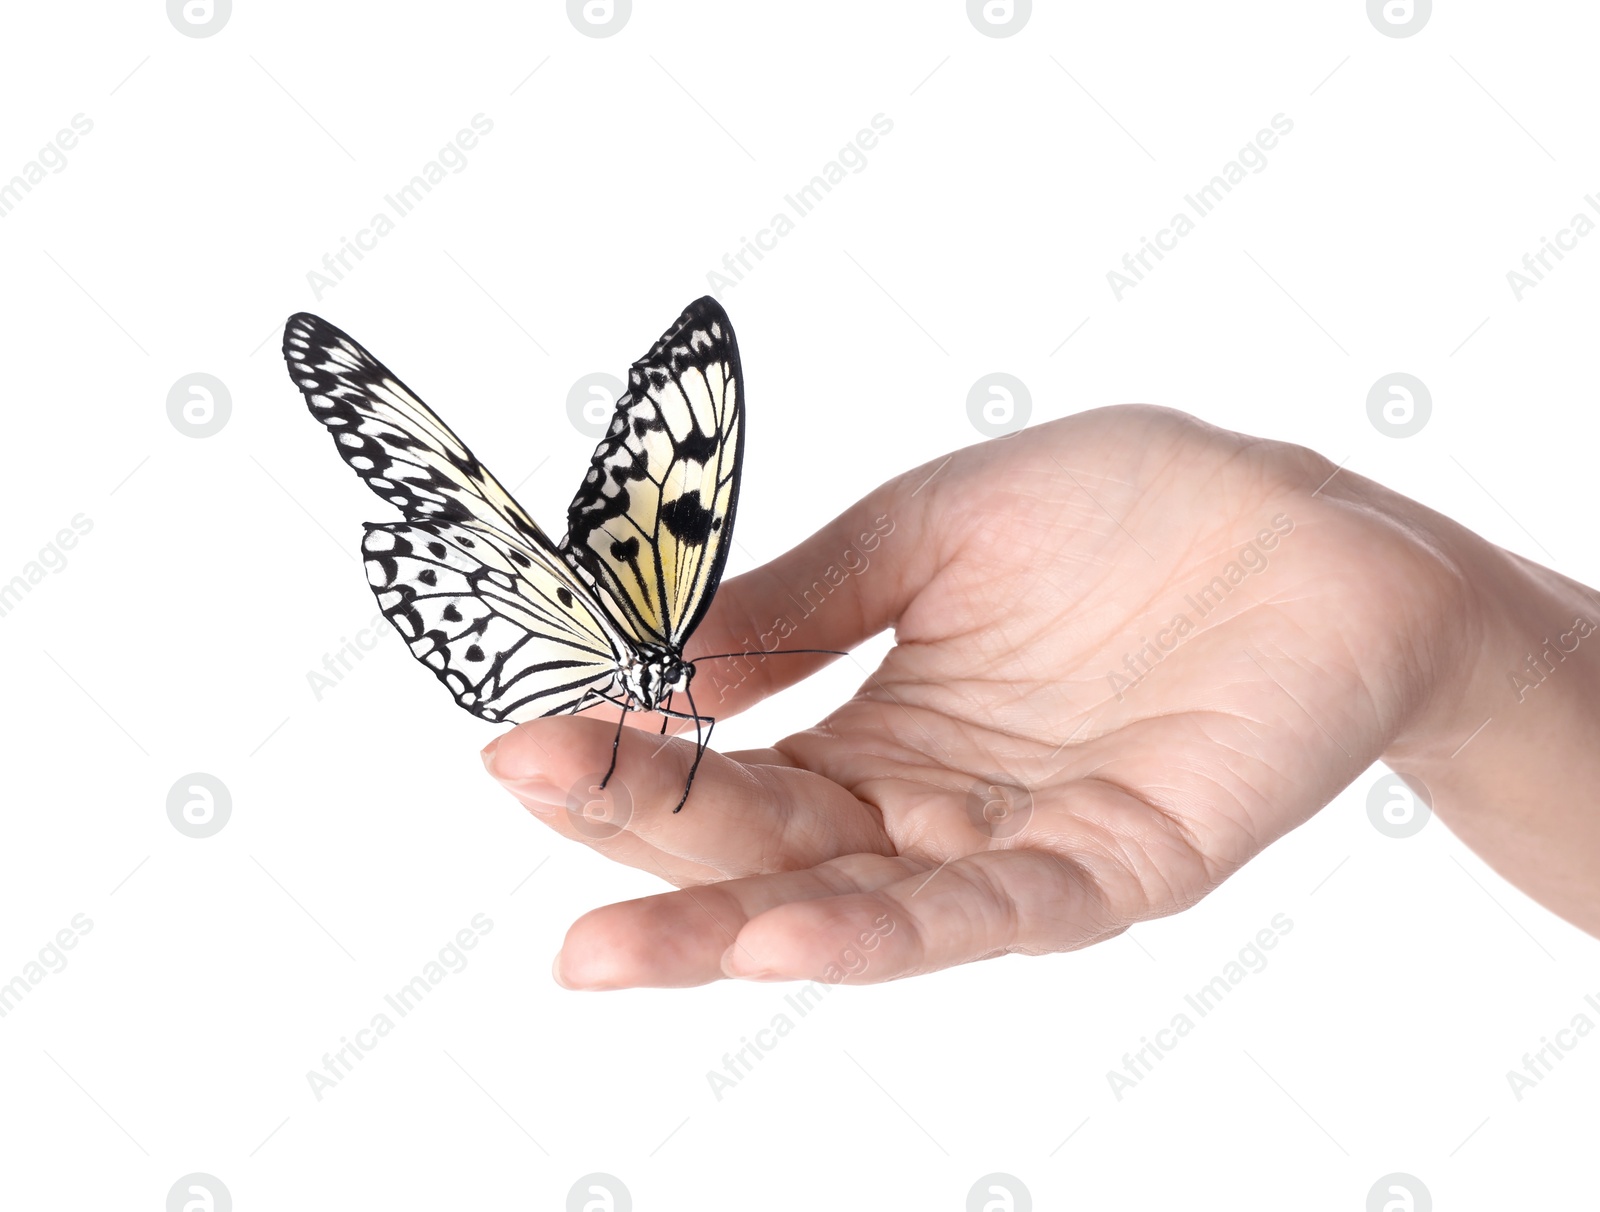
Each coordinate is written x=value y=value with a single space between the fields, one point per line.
x=651 y=678
x=515 y=626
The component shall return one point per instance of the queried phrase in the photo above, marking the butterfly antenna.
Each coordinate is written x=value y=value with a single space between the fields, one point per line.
x=771 y=652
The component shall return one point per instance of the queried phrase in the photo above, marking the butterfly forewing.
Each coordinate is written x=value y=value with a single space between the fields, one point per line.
x=392 y=440
x=653 y=519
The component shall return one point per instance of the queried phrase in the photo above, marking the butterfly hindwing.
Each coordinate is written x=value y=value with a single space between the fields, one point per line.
x=509 y=630
x=653 y=519
x=392 y=440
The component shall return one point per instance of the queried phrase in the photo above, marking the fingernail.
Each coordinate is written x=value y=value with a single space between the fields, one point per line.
x=741 y=965
x=555 y=971
x=535 y=791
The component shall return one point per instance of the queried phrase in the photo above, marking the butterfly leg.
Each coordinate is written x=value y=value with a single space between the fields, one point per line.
x=700 y=743
x=615 y=742
x=666 y=719
x=700 y=751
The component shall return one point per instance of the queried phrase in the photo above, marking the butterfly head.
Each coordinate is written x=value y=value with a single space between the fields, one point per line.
x=654 y=675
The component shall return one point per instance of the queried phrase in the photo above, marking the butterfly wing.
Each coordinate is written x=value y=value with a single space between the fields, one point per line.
x=393 y=441
x=653 y=520
x=476 y=589
x=507 y=630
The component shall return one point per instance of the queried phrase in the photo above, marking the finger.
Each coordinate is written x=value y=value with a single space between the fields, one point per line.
x=587 y=815
x=972 y=908
x=597 y=817
x=739 y=818
x=647 y=721
x=835 y=589
x=678 y=939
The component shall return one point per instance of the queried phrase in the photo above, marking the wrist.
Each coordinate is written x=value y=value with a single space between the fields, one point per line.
x=1503 y=739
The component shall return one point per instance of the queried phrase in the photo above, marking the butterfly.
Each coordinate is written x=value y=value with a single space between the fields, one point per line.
x=514 y=625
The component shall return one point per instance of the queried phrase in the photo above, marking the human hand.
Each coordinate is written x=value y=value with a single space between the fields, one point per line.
x=1131 y=650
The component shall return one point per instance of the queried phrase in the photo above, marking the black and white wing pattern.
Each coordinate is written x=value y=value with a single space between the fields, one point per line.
x=476 y=589
x=395 y=442
x=505 y=629
x=653 y=519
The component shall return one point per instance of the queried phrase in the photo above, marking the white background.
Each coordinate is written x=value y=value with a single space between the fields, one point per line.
x=220 y=571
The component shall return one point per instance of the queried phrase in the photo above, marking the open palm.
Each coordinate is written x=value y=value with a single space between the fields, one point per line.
x=1131 y=650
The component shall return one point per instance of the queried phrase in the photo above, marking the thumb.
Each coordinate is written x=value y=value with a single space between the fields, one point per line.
x=843 y=585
